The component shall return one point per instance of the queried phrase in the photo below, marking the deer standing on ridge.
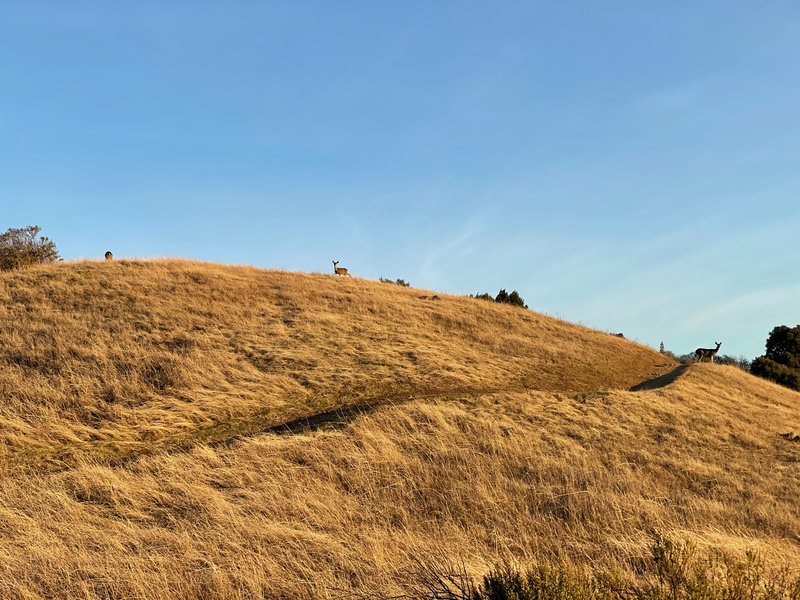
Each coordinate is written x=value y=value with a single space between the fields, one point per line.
x=709 y=353
x=340 y=270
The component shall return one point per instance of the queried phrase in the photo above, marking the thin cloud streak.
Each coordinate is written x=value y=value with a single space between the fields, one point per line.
x=675 y=288
x=456 y=248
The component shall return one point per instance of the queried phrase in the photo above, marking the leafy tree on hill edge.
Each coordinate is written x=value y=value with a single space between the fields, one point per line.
x=20 y=248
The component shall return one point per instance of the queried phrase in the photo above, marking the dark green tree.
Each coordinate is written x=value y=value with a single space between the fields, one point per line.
x=504 y=297
x=783 y=346
x=512 y=298
x=781 y=363
x=515 y=299
x=20 y=248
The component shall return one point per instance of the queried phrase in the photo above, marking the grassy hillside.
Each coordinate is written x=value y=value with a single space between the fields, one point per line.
x=523 y=440
x=112 y=360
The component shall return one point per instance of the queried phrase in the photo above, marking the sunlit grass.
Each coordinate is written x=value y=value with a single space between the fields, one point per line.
x=512 y=438
x=106 y=360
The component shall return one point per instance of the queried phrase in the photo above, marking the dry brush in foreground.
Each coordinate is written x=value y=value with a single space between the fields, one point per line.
x=334 y=512
x=522 y=443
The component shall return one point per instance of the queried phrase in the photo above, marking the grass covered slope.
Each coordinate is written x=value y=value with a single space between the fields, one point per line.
x=343 y=513
x=111 y=360
x=522 y=442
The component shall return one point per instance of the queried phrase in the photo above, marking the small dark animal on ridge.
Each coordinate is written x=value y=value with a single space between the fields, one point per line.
x=708 y=353
x=109 y=256
x=339 y=270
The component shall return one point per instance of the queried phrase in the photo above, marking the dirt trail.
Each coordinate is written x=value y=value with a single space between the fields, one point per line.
x=239 y=428
x=660 y=381
x=342 y=416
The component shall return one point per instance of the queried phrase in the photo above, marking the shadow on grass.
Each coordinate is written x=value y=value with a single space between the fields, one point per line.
x=661 y=381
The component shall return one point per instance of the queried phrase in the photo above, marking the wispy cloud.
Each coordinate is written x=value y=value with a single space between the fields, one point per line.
x=679 y=287
x=458 y=246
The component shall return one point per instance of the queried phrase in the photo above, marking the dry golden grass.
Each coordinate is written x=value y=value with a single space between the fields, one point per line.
x=512 y=475
x=110 y=360
x=580 y=473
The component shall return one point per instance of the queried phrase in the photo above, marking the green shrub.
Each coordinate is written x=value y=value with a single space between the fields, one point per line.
x=781 y=363
x=734 y=361
x=543 y=582
x=19 y=248
x=783 y=346
x=484 y=296
x=673 y=572
x=513 y=298
x=503 y=297
x=774 y=371
x=400 y=282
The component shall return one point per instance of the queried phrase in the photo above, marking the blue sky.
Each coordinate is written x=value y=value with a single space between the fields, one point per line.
x=632 y=166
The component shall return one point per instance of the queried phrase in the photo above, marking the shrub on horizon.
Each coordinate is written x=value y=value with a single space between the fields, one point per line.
x=503 y=297
x=667 y=353
x=734 y=361
x=684 y=359
x=513 y=298
x=781 y=363
x=398 y=281
x=20 y=248
x=483 y=296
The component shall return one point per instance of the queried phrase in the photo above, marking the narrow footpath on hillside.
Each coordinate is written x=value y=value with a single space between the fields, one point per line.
x=115 y=453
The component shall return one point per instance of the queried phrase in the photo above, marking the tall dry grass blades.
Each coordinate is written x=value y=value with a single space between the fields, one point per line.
x=524 y=477
x=108 y=360
x=106 y=371
x=672 y=573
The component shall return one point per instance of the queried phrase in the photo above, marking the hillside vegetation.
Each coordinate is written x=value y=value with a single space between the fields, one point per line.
x=523 y=440
x=109 y=360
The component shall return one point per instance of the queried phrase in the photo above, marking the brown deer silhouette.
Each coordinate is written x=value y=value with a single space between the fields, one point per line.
x=340 y=270
x=708 y=353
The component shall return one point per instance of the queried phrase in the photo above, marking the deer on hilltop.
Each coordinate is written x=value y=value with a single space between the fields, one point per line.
x=708 y=353
x=340 y=270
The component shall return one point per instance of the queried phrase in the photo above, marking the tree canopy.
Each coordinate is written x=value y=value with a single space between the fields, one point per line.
x=20 y=248
x=504 y=297
x=781 y=363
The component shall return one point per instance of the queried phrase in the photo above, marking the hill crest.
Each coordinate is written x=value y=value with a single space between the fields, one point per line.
x=522 y=441
x=113 y=359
